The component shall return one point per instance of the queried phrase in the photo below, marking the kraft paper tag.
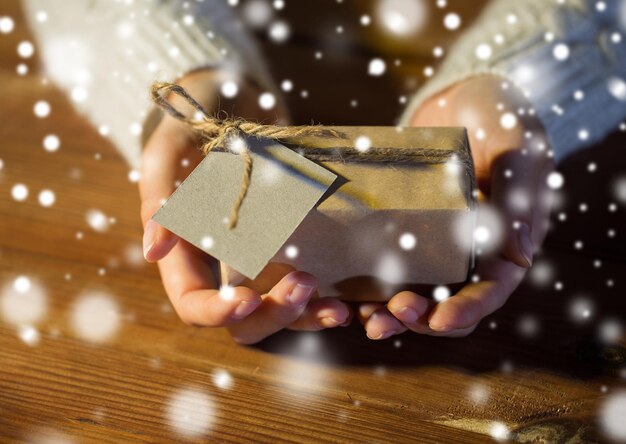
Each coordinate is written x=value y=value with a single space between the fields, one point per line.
x=284 y=187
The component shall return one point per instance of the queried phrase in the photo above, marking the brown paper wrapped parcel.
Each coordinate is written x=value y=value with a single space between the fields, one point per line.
x=385 y=225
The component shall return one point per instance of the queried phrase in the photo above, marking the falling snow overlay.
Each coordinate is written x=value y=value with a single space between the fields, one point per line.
x=92 y=339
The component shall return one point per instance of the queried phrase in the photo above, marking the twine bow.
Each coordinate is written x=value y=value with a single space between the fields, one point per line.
x=217 y=132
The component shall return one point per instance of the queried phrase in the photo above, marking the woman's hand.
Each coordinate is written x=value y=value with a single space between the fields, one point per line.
x=169 y=156
x=512 y=164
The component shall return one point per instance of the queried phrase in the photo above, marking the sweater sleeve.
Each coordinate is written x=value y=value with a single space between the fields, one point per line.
x=567 y=56
x=105 y=54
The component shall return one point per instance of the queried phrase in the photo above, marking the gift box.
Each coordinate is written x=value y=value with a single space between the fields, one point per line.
x=370 y=211
x=399 y=216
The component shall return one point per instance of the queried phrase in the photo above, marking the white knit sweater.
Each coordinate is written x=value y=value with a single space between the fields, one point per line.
x=569 y=56
x=106 y=53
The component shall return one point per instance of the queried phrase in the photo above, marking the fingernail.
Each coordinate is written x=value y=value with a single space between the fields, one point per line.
x=440 y=328
x=383 y=335
x=244 y=309
x=525 y=243
x=149 y=237
x=406 y=314
x=300 y=294
x=328 y=322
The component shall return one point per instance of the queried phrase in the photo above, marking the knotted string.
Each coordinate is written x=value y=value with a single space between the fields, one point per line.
x=217 y=132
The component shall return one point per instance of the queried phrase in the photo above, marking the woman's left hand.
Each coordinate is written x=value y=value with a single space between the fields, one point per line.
x=512 y=164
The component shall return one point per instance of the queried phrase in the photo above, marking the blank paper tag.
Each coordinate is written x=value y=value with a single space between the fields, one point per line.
x=284 y=187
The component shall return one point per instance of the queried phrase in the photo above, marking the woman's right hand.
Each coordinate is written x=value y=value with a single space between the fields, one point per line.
x=170 y=154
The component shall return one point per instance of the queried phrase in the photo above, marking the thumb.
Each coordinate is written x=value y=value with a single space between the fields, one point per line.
x=514 y=193
x=519 y=247
x=157 y=241
x=160 y=165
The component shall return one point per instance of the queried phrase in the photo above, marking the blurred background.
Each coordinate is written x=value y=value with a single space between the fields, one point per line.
x=91 y=350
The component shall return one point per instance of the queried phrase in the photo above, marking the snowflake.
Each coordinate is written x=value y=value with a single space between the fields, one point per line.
x=376 y=67
x=46 y=198
x=25 y=49
x=617 y=88
x=97 y=220
x=528 y=326
x=22 y=69
x=408 y=241
x=42 y=109
x=508 y=121
x=499 y=431
x=29 y=334
x=441 y=293
x=612 y=413
x=6 y=25
x=286 y=85
x=229 y=89
x=257 y=13
x=483 y=51
x=402 y=17
x=291 y=251
x=207 y=242
x=23 y=302
x=222 y=379
x=190 y=412
x=51 y=143
x=19 y=192
x=95 y=317
x=561 y=51
x=581 y=309
x=362 y=144
x=267 y=100
x=555 y=180
x=452 y=21
x=279 y=31
x=227 y=293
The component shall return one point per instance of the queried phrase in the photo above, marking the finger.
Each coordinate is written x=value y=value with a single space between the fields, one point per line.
x=401 y=300
x=188 y=282
x=404 y=304
x=459 y=333
x=543 y=205
x=477 y=300
x=160 y=167
x=157 y=241
x=412 y=310
x=323 y=313
x=280 y=307
x=511 y=183
x=381 y=324
x=366 y=309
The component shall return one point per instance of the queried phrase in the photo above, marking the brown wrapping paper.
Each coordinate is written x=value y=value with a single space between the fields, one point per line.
x=385 y=225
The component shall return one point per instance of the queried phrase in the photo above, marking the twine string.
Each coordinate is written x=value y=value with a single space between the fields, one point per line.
x=217 y=133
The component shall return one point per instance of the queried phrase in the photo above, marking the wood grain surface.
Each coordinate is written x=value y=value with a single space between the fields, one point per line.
x=530 y=367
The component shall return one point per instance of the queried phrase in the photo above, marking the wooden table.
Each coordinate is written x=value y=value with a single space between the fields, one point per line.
x=92 y=351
